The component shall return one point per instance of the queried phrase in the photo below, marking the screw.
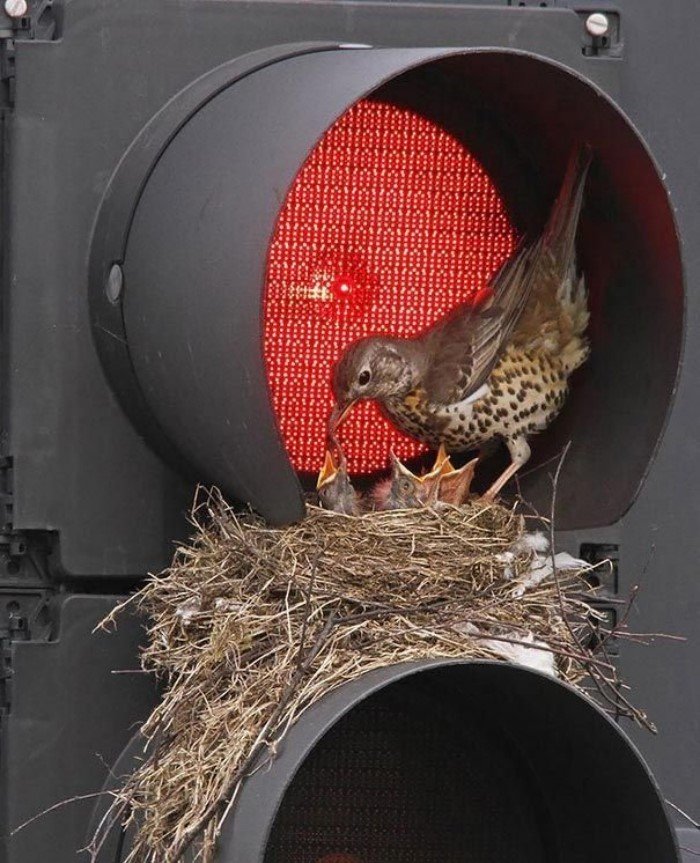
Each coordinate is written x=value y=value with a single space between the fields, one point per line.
x=16 y=8
x=597 y=24
x=114 y=284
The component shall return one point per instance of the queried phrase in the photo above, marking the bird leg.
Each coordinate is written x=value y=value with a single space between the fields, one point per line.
x=519 y=450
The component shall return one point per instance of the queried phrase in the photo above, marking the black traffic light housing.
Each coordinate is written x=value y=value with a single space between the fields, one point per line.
x=145 y=196
x=179 y=256
x=134 y=249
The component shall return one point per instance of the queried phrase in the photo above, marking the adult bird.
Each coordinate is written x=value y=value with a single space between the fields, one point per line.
x=495 y=369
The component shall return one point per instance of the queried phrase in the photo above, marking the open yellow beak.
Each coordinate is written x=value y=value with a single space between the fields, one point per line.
x=442 y=465
x=401 y=467
x=329 y=470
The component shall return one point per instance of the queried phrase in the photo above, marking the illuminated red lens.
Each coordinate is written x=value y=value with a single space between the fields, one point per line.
x=389 y=224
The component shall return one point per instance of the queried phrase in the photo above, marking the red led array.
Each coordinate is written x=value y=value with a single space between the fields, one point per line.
x=389 y=224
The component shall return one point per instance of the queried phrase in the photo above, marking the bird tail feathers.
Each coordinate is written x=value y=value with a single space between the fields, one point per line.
x=556 y=315
x=559 y=235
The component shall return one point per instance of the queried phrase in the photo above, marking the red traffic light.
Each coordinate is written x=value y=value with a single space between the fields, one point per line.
x=390 y=223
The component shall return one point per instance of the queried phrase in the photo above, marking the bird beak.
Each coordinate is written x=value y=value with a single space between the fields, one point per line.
x=442 y=465
x=399 y=467
x=328 y=471
x=455 y=485
x=337 y=416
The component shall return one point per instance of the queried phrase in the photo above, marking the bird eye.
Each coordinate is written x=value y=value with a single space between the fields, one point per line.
x=405 y=485
x=363 y=377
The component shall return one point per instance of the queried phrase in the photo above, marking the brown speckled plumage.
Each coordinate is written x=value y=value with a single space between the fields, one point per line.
x=526 y=390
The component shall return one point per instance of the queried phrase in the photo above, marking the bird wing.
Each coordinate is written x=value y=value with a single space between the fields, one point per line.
x=465 y=345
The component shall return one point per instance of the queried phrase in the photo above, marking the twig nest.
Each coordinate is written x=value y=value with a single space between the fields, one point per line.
x=251 y=625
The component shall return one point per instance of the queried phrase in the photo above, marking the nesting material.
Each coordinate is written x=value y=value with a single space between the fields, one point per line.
x=251 y=625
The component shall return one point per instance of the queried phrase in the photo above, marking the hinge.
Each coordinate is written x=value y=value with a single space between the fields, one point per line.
x=605 y=606
x=22 y=20
x=25 y=615
x=25 y=592
x=15 y=544
x=605 y=579
x=12 y=543
x=5 y=676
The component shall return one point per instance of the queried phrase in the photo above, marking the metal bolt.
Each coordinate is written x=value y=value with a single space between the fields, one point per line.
x=598 y=24
x=16 y=8
x=114 y=284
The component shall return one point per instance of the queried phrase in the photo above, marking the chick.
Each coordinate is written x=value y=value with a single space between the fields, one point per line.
x=334 y=489
x=403 y=489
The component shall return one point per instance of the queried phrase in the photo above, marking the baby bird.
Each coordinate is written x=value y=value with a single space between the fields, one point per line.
x=403 y=489
x=334 y=489
x=496 y=369
x=442 y=484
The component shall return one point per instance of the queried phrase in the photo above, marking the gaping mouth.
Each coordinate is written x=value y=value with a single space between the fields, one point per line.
x=442 y=466
x=328 y=472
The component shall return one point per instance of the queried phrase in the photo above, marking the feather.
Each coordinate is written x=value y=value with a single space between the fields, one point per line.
x=538 y=657
x=465 y=345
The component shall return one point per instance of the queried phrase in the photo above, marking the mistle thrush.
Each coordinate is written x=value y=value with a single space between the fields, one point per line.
x=495 y=369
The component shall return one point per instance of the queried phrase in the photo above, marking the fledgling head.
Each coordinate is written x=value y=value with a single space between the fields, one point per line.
x=404 y=489
x=334 y=489
x=372 y=368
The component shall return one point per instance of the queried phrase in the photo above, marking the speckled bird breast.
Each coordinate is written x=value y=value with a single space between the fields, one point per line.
x=526 y=391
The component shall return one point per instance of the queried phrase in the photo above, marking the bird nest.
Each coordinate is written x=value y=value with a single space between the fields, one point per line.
x=251 y=625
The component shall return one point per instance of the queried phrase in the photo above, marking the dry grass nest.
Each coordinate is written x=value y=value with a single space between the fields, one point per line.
x=251 y=625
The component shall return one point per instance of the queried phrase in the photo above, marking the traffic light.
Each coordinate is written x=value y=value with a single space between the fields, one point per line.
x=206 y=201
